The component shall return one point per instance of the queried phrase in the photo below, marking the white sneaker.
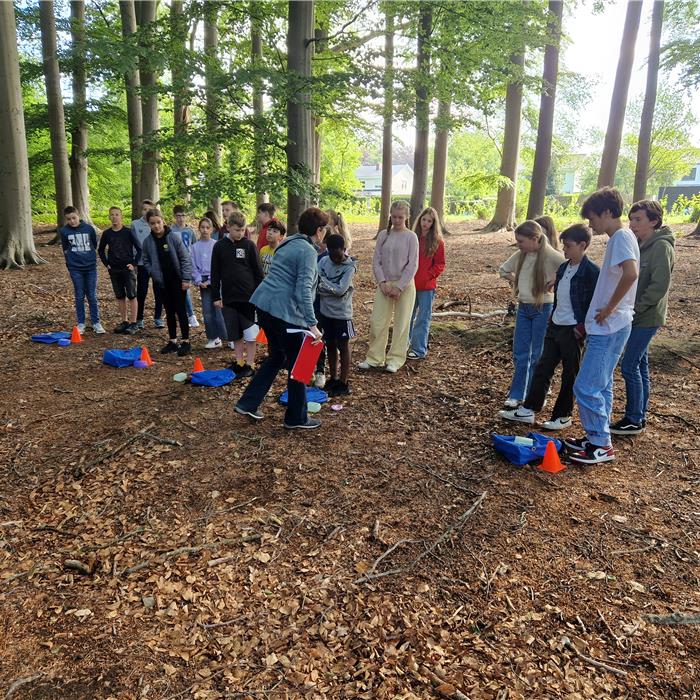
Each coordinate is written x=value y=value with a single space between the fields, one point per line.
x=193 y=322
x=216 y=343
x=365 y=365
x=512 y=403
x=319 y=380
x=232 y=345
x=81 y=328
x=558 y=424
x=519 y=415
x=98 y=328
x=392 y=369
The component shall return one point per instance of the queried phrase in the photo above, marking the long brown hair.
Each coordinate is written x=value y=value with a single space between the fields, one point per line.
x=531 y=229
x=550 y=229
x=434 y=236
x=337 y=225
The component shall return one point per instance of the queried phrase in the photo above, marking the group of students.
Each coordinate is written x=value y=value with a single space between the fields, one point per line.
x=566 y=302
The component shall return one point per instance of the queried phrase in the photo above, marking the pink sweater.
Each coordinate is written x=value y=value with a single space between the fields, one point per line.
x=396 y=258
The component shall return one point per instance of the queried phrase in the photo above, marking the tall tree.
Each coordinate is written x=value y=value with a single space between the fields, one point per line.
x=150 y=177
x=504 y=215
x=16 y=238
x=545 y=125
x=181 y=95
x=641 y=173
x=420 y=154
x=211 y=44
x=618 y=104
x=388 y=119
x=79 y=131
x=54 y=101
x=256 y=55
x=300 y=34
x=132 y=83
x=442 y=135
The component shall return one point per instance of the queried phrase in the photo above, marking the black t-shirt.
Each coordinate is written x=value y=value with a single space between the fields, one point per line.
x=167 y=266
x=118 y=248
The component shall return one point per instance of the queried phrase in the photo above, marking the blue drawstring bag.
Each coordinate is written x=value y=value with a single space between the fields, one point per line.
x=213 y=377
x=49 y=338
x=312 y=394
x=520 y=455
x=121 y=358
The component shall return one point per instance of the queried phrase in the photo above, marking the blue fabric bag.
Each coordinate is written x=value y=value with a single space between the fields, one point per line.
x=49 y=338
x=213 y=377
x=312 y=394
x=520 y=455
x=121 y=358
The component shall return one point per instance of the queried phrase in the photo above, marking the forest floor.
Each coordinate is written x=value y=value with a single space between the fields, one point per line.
x=391 y=554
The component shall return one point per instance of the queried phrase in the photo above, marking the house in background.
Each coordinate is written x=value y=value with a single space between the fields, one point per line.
x=370 y=177
x=686 y=186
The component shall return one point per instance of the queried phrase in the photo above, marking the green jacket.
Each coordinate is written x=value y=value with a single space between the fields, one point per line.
x=656 y=258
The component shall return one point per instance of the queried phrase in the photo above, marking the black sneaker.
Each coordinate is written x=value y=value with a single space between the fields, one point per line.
x=132 y=328
x=245 y=412
x=122 y=327
x=311 y=424
x=330 y=385
x=340 y=389
x=593 y=454
x=242 y=371
x=576 y=444
x=169 y=348
x=184 y=348
x=626 y=427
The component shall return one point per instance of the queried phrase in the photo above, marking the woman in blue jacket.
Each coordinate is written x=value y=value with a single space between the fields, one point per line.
x=285 y=301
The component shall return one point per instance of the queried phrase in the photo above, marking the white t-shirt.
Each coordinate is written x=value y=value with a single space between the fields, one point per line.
x=621 y=246
x=564 y=313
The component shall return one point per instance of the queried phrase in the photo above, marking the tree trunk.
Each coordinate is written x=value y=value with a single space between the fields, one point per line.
x=79 y=132
x=545 y=125
x=300 y=32
x=181 y=96
x=211 y=43
x=256 y=55
x=420 y=153
x=150 y=181
x=442 y=135
x=616 y=120
x=132 y=83
x=387 y=132
x=16 y=239
x=504 y=215
x=641 y=172
x=54 y=100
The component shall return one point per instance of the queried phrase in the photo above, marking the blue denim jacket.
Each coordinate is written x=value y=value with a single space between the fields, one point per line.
x=582 y=287
x=290 y=286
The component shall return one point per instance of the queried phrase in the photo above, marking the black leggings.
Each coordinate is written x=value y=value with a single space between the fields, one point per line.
x=142 y=281
x=174 y=301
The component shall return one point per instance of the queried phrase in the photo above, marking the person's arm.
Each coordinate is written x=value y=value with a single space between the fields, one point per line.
x=304 y=292
x=660 y=281
x=255 y=264
x=196 y=271
x=507 y=270
x=341 y=287
x=411 y=266
x=215 y=275
x=104 y=239
x=93 y=237
x=146 y=256
x=135 y=246
x=185 y=262
x=377 y=260
x=437 y=266
x=629 y=277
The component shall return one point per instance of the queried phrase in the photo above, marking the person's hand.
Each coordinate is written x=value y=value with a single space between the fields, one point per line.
x=394 y=293
x=185 y=286
x=204 y=285
x=384 y=288
x=602 y=314
x=129 y=267
x=550 y=286
x=219 y=304
x=318 y=336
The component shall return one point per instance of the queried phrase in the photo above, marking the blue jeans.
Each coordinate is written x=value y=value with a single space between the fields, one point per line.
x=420 y=322
x=213 y=318
x=594 y=384
x=188 y=304
x=85 y=285
x=635 y=370
x=528 y=339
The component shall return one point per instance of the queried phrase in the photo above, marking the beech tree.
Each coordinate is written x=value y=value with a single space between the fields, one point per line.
x=16 y=237
x=181 y=96
x=211 y=43
x=54 y=100
x=442 y=134
x=618 y=104
x=387 y=119
x=256 y=56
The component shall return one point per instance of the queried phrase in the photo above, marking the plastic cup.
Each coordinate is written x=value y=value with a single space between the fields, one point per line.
x=313 y=407
x=179 y=377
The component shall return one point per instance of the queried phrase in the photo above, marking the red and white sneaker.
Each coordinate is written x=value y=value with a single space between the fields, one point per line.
x=576 y=444
x=593 y=454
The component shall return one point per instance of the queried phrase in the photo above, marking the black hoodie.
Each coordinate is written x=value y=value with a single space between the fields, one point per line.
x=235 y=270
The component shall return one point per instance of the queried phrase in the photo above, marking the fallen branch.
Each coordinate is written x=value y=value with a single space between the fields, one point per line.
x=116 y=540
x=162 y=441
x=677 y=417
x=22 y=681
x=214 y=625
x=189 y=550
x=676 y=618
x=565 y=642
x=441 y=685
x=192 y=427
x=678 y=355
x=439 y=477
x=78 y=566
x=466 y=314
x=370 y=573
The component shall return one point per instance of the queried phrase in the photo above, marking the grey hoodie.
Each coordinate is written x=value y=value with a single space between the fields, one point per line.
x=335 y=287
x=656 y=259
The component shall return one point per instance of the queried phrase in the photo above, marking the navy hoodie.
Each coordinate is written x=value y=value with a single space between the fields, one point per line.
x=79 y=246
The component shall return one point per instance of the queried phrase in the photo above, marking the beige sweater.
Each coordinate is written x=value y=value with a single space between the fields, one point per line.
x=396 y=258
x=552 y=261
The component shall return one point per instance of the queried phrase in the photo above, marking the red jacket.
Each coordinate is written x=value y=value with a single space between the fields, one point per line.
x=429 y=267
x=262 y=236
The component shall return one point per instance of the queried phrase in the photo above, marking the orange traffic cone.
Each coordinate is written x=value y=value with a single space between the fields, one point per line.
x=262 y=338
x=551 y=462
x=146 y=356
x=198 y=366
x=75 y=336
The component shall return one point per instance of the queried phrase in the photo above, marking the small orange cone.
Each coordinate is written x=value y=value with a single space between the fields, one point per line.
x=262 y=338
x=198 y=366
x=551 y=462
x=146 y=356
x=75 y=336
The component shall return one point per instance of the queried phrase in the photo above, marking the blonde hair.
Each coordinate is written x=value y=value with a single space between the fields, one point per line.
x=337 y=225
x=550 y=229
x=434 y=236
x=531 y=229
x=399 y=204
